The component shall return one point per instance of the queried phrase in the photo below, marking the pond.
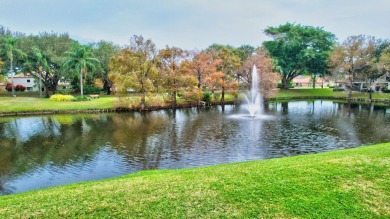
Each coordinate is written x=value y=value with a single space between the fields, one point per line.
x=43 y=151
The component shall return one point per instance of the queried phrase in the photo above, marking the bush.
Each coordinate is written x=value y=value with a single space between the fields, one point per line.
x=20 y=87
x=127 y=102
x=386 y=91
x=61 y=98
x=155 y=101
x=8 y=87
x=81 y=98
x=206 y=97
x=193 y=95
x=91 y=90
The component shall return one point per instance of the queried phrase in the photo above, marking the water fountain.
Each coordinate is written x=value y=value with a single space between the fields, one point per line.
x=254 y=99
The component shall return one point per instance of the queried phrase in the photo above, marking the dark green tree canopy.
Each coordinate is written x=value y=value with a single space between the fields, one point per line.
x=298 y=49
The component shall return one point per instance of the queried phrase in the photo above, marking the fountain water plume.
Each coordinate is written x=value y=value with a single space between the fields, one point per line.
x=254 y=98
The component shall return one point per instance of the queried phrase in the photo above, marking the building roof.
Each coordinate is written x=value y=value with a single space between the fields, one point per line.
x=21 y=75
x=306 y=79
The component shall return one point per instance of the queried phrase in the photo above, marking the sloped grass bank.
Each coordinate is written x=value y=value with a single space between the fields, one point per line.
x=352 y=183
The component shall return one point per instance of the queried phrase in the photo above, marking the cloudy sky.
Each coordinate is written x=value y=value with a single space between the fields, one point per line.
x=192 y=24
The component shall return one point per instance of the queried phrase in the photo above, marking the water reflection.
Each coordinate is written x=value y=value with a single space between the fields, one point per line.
x=38 y=152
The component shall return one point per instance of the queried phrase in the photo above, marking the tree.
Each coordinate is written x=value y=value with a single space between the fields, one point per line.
x=226 y=75
x=352 y=58
x=52 y=46
x=9 y=48
x=135 y=67
x=104 y=51
x=298 y=49
x=268 y=79
x=201 y=66
x=80 y=59
x=173 y=77
x=244 y=52
x=384 y=60
x=38 y=66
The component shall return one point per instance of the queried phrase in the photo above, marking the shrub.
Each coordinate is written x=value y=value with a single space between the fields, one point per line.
x=8 y=87
x=91 y=90
x=61 y=98
x=127 y=102
x=206 y=97
x=20 y=87
x=193 y=95
x=386 y=91
x=81 y=98
x=155 y=101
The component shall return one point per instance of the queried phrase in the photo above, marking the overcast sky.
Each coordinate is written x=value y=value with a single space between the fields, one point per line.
x=192 y=24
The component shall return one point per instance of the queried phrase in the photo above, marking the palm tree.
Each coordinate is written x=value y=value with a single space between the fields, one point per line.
x=80 y=59
x=41 y=66
x=9 y=44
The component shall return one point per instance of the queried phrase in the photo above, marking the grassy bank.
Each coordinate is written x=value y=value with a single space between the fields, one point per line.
x=30 y=101
x=19 y=104
x=326 y=92
x=351 y=183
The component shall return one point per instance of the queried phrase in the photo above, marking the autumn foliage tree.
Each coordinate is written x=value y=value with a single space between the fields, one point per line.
x=352 y=57
x=135 y=67
x=174 y=79
x=226 y=76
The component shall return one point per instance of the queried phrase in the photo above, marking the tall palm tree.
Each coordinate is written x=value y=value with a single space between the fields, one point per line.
x=8 y=45
x=80 y=59
x=41 y=66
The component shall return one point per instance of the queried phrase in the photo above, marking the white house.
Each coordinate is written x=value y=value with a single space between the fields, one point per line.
x=26 y=80
x=31 y=83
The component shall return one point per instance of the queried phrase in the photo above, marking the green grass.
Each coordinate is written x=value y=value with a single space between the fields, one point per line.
x=326 y=92
x=352 y=183
x=19 y=104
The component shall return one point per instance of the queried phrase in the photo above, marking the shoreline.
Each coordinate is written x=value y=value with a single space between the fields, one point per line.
x=180 y=106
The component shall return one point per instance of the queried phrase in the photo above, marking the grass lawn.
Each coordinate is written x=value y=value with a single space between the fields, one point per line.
x=18 y=104
x=352 y=183
x=326 y=92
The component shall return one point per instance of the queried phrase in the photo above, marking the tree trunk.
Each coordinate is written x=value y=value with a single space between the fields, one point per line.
x=223 y=95
x=286 y=83
x=174 y=99
x=12 y=77
x=143 y=100
x=40 y=84
x=314 y=79
x=81 y=82
x=47 y=95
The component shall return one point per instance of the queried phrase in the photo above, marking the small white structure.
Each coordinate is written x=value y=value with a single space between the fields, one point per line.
x=26 y=80
x=32 y=84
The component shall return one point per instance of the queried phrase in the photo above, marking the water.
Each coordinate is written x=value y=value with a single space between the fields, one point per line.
x=44 y=151
x=254 y=100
